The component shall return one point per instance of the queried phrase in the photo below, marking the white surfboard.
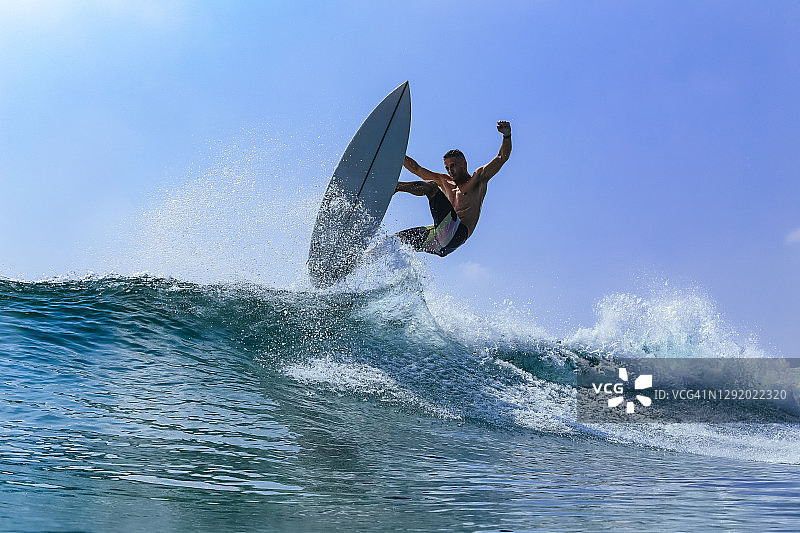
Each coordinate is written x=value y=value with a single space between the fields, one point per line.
x=360 y=190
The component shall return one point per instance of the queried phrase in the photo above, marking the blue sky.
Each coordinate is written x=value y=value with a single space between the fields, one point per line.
x=652 y=140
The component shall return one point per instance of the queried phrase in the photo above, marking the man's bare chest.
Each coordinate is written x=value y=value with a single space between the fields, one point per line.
x=465 y=193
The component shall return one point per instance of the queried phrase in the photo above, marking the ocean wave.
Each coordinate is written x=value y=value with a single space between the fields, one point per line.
x=383 y=344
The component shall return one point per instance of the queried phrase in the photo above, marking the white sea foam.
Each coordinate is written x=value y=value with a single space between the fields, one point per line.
x=363 y=379
x=668 y=322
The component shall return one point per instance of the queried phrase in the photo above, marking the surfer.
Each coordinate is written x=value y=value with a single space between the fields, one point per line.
x=455 y=198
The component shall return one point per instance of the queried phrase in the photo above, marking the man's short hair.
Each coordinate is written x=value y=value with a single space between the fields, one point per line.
x=454 y=153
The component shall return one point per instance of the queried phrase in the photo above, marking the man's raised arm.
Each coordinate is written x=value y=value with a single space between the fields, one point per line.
x=493 y=167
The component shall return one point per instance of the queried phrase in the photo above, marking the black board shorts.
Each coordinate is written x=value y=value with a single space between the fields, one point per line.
x=445 y=235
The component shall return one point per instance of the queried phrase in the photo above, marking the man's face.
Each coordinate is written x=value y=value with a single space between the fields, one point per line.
x=456 y=167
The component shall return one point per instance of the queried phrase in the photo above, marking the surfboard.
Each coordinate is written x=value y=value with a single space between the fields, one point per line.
x=360 y=189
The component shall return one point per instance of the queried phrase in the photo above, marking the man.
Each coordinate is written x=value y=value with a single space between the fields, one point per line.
x=455 y=198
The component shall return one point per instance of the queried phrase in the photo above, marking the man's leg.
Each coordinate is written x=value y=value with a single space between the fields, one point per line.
x=419 y=238
x=415 y=237
x=440 y=207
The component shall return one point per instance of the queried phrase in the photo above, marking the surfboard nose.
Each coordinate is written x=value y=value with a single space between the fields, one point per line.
x=400 y=89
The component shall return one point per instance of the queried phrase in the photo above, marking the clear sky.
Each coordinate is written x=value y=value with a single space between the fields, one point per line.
x=652 y=140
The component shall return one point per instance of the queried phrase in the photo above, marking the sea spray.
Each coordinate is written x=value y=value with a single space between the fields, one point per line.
x=666 y=322
x=244 y=215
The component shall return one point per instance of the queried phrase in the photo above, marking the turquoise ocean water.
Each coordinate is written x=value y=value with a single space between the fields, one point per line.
x=153 y=404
